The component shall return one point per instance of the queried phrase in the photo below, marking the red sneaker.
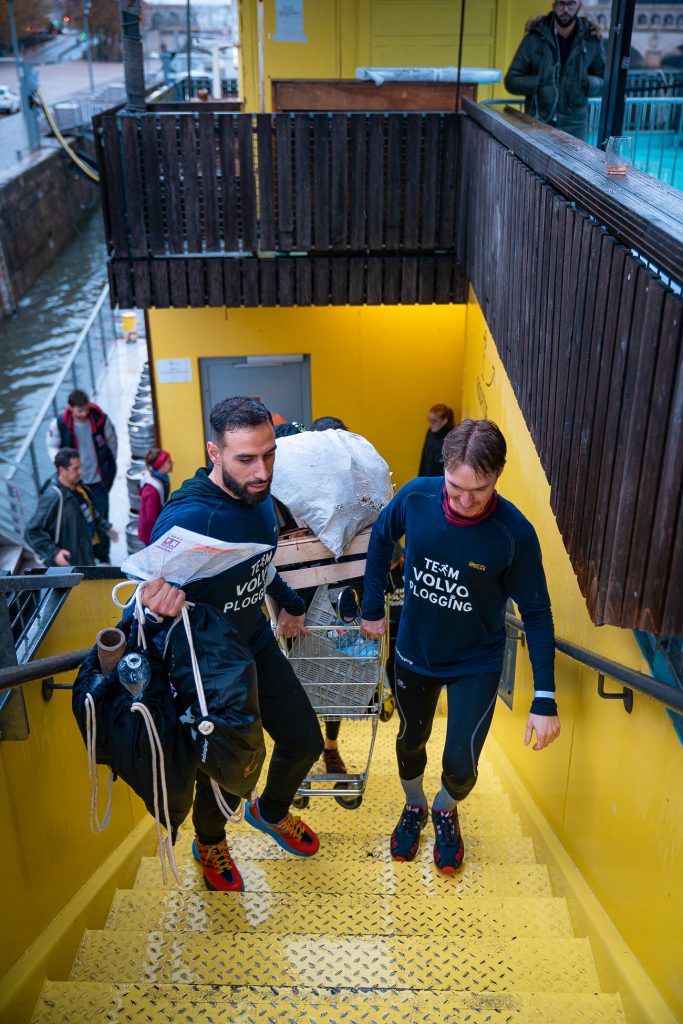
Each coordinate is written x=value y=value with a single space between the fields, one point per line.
x=220 y=871
x=291 y=833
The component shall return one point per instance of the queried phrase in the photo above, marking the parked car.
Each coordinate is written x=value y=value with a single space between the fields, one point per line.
x=9 y=100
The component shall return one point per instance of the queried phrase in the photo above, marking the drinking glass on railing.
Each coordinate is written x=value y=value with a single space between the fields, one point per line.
x=618 y=154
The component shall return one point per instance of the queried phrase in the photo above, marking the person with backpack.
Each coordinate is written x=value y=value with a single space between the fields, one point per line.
x=231 y=501
x=66 y=525
x=85 y=427
x=155 y=487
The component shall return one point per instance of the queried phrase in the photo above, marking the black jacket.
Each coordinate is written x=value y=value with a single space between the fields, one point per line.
x=80 y=522
x=431 y=461
x=554 y=93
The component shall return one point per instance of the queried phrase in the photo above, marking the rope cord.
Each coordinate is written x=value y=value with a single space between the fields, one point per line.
x=81 y=164
x=165 y=848
x=91 y=745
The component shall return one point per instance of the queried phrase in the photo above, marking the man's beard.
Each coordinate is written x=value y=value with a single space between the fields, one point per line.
x=241 y=492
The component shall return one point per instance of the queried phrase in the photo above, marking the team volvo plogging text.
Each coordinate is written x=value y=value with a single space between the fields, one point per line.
x=442 y=589
x=254 y=590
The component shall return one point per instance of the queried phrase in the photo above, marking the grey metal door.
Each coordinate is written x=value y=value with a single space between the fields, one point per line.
x=283 y=383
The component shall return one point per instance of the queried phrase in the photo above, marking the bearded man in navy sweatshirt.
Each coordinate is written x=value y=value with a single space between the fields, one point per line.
x=467 y=551
x=232 y=502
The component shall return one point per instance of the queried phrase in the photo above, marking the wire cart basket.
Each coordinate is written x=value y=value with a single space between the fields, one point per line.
x=342 y=672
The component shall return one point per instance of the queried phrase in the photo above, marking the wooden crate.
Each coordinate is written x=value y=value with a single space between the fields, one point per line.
x=296 y=553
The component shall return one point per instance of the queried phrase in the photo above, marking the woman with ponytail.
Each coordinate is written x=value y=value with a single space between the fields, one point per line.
x=440 y=422
x=155 y=488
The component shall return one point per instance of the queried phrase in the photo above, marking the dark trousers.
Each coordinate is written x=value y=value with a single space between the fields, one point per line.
x=291 y=722
x=471 y=703
x=100 y=499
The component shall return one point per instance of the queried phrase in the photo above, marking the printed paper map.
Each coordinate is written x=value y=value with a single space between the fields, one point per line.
x=181 y=556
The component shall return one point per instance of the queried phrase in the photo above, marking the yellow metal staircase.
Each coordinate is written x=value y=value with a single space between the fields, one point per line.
x=348 y=937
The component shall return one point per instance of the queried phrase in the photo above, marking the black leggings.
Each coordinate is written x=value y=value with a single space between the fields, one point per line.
x=290 y=720
x=471 y=702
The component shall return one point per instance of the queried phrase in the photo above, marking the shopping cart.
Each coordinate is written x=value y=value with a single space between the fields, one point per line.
x=342 y=671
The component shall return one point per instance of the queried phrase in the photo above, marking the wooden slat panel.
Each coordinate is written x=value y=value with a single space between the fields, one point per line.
x=151 y=170
x=411 y=217
x=637 y=400
x=285 y=282
x=448 y=181
x=285 y=183
x=391 y=293
x=650 y=563
x=303 y=131
x=356 y=281
x=375 y=192
x=374 y=277
x=304 y=281
x=173 y=197
x=228 y=148
x=177 y=276
x=392 y=227
x=359 y=184
x=321 y=282
x=337 y=572
x=250 y=281
x=232 y=283
x=321 y=180
x=247 y=183
x=266 y=182
x=430 y=181
x=123 y=283
x=214 y=283
x=111 y=152
x=339 y=285
x=339 y=192
x=268 y=295
x=672 y=616
x=425 y=279
x=135 y=206
x=161 y=298
x=296 y=551
x=409 y=280
x=208 y=143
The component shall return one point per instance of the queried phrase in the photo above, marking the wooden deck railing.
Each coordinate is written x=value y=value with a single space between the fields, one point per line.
x=195 y=199
x=579 y=280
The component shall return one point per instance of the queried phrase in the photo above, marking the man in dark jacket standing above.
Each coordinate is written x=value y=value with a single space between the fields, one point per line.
x=467 y=551
x=84 y=426
x=232 y=502
x=66 y=525
x=559 y=64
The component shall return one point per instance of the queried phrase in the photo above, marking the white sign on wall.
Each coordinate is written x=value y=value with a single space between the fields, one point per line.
x=174 y=371
x=289 y=22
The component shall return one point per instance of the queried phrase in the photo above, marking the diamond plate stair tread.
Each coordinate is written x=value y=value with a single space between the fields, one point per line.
x=248 y=844
x=291 y=914
x=91 y=1003
x=382 y=805
x=555 y=965
x=316 y=875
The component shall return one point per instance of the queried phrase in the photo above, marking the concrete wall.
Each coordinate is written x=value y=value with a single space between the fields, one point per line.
x=43 y=200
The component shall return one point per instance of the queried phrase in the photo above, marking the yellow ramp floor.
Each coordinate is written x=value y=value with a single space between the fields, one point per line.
x=347 y=937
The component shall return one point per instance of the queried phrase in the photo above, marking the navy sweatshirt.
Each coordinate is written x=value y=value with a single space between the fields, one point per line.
x=457 y=583
x=200 y=505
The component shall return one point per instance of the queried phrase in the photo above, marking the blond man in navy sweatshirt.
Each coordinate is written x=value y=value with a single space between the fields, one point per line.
x=467 y=550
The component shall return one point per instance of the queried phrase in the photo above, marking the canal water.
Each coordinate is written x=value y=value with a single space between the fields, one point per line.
x=49 y=318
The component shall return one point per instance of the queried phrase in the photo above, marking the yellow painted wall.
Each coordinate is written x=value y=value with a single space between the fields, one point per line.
x=48 y=851
x=612 y=786
x=377 y=368
x=343 y=34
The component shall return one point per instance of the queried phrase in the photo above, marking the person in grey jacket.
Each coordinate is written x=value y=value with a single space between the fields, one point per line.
x=66 y=525
x=558 y=65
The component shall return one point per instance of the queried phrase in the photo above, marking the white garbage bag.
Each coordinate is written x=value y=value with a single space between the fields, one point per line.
x=332 y=480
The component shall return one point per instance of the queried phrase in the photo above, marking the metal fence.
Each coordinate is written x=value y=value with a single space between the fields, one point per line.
x=655 y=124
x=22 y=479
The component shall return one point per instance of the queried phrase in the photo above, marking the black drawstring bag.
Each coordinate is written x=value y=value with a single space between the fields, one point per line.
x=227 y=733
x=121 y=738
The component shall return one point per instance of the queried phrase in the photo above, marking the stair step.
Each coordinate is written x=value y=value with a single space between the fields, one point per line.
x=316 y=875
x=554 y=965
x=295 y=914
x=248 y=844
x=382 y=805
x=90 y=1003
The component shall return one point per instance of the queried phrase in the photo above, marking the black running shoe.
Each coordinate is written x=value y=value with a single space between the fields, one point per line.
x=449 y=849
x=405 y=839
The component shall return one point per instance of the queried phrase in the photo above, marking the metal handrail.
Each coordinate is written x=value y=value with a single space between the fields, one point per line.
x=644 y=684
x=17 y=675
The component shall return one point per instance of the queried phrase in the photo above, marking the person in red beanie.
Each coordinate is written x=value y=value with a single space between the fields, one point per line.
x=155 y=487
